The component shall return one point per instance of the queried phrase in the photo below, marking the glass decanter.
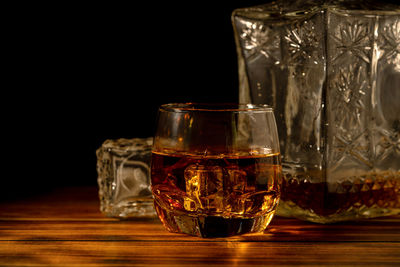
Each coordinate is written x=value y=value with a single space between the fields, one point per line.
x=331 y=71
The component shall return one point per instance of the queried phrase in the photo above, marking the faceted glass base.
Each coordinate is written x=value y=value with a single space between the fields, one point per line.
x=212 y=226
x=289 y=209
x=373 y=194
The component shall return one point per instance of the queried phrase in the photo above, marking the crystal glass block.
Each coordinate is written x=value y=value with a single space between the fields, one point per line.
x=123 y=168
x=331 y=70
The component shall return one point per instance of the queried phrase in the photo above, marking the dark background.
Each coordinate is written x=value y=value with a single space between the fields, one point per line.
x=80 y=74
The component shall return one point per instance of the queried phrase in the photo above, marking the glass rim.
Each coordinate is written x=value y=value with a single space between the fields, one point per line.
x=215 y=107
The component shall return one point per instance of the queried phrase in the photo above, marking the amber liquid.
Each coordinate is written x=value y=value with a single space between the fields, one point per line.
x=376 y=190
x=215 y=195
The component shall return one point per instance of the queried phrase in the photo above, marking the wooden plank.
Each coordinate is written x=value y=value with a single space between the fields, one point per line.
x=281 y=229
x=198 y=253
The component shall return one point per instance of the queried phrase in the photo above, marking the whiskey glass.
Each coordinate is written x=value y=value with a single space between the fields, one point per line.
x=216 y=168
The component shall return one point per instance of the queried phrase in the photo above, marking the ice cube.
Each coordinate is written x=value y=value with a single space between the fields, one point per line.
x=260 y=202
x=235 y=181
x=235 y=186
x=204 y=188
x=245 y=198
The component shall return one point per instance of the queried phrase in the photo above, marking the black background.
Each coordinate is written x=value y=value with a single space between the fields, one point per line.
x=77 y=75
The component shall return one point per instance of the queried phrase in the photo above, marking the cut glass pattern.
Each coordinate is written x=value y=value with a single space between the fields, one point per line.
x=303 y=43
x=391 y=43
x=259 y=40
x=123 y=167
x=352 y=38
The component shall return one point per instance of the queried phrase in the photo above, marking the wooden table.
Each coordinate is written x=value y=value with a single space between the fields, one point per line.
x=65 y=227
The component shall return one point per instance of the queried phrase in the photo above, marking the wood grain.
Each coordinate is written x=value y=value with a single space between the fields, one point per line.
x=65 y=227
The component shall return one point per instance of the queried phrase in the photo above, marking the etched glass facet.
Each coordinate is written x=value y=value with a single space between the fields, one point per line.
x=331 y=70
x=123 y=168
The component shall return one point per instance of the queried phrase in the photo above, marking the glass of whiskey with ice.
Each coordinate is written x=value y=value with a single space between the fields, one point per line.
x=216 y=168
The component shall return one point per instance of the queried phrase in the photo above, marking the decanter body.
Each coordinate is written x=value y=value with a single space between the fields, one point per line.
x=331 y=70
